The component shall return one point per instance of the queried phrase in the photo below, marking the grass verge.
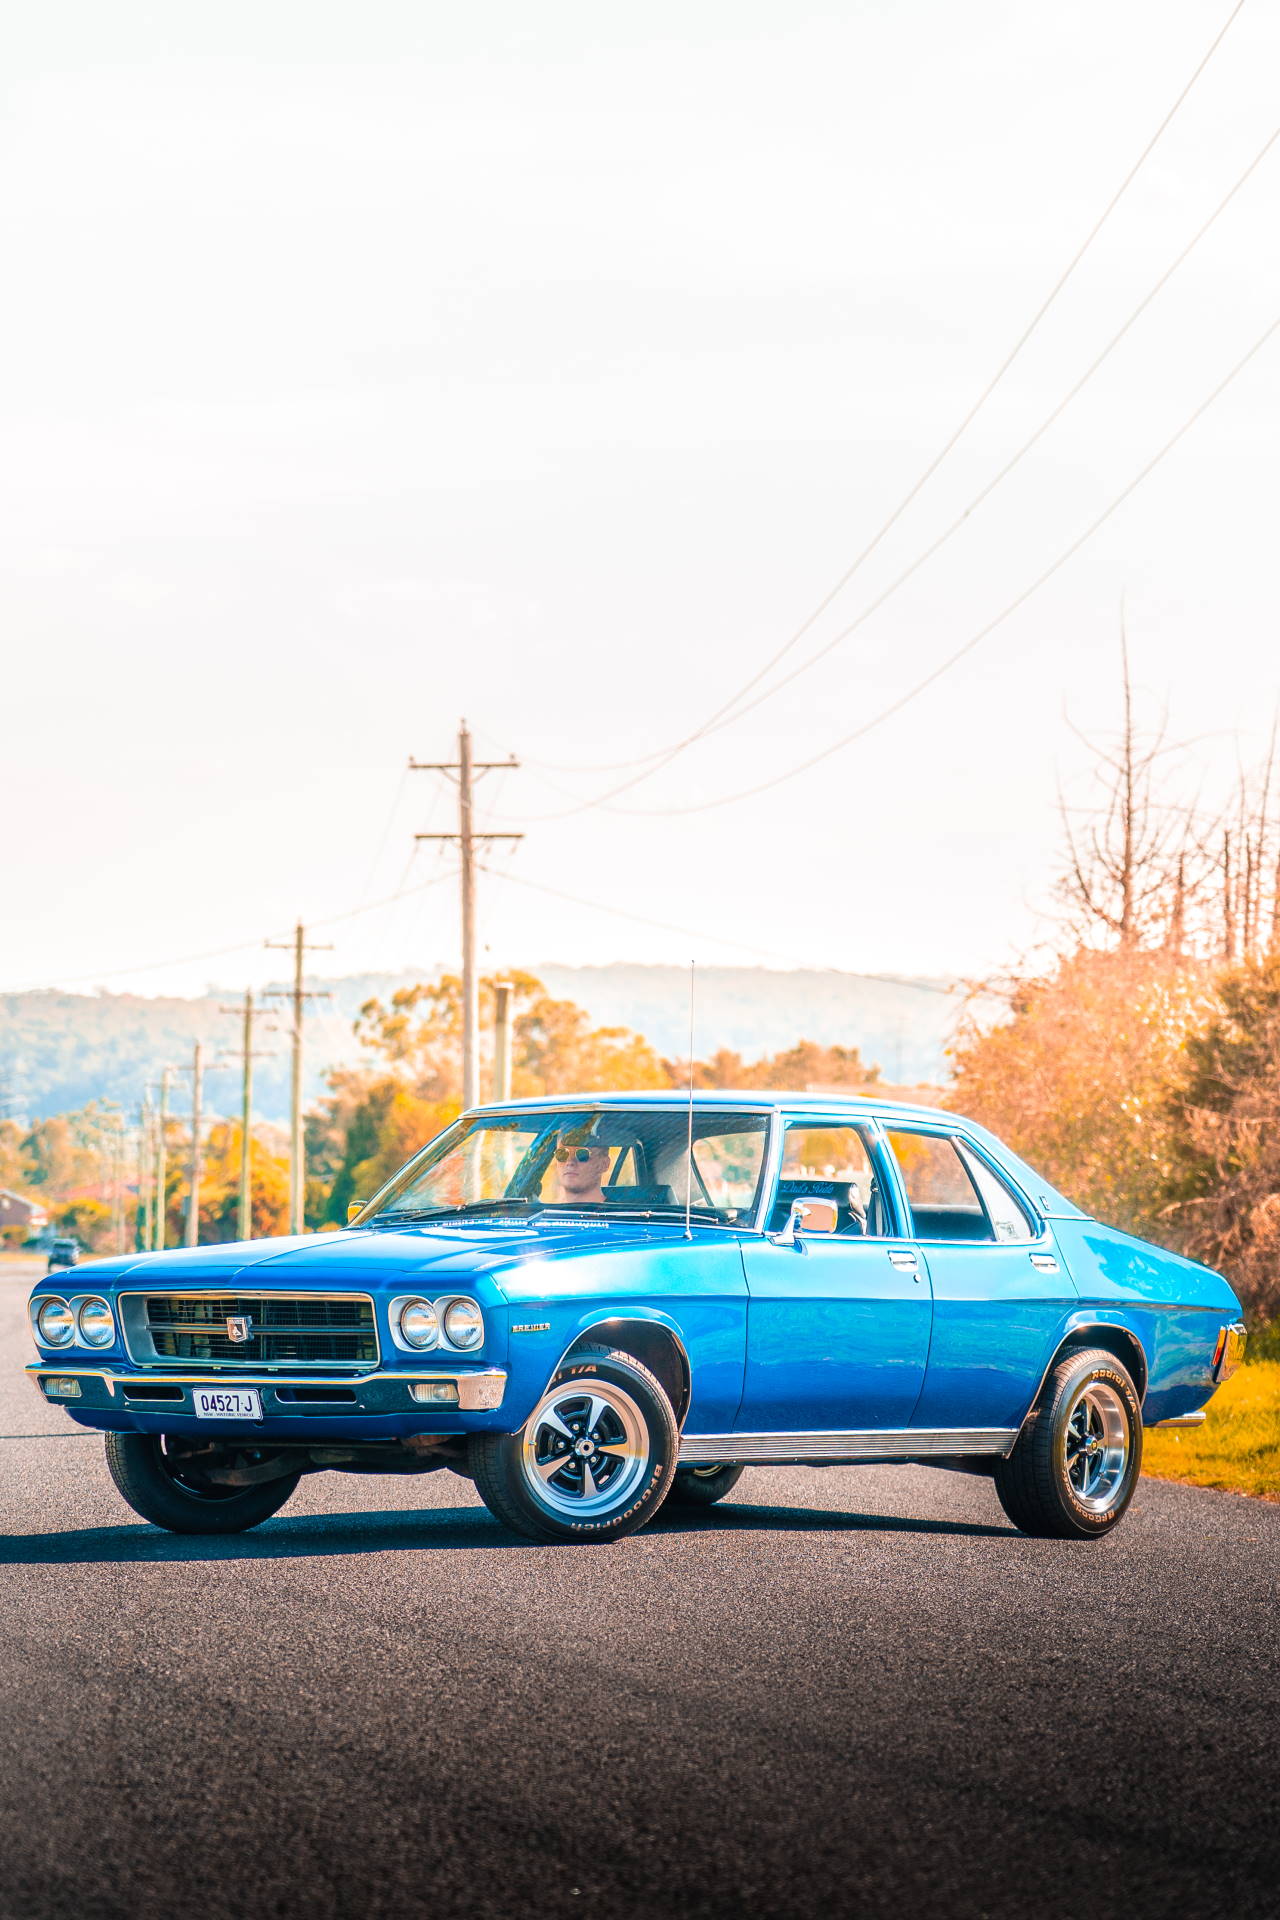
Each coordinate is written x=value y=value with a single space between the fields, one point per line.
x=1237 y=1448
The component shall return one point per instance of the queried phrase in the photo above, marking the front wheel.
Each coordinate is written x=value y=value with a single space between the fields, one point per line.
x=1076 y=1463
x=595 y=1459
x=161 y=1480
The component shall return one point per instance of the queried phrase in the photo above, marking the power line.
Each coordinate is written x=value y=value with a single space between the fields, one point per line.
x=914 y=692
x=727 y=718
x=242 y=946
x=664 y=756
x=714 y=939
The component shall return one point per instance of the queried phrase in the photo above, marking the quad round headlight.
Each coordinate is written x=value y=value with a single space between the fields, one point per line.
x=54 y=1322
x=419 y=1323
x=95 y=1321
x=463 y=1326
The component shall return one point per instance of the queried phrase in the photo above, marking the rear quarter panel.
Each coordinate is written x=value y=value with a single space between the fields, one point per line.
x=1174 y=1306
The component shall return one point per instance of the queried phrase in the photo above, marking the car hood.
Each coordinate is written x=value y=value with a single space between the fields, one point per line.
x=368 y=1257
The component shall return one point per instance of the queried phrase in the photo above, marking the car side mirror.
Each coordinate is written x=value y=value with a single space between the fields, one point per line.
x=806 y=1216
x=353 y=1208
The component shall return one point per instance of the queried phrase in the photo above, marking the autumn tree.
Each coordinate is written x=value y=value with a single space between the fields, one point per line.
x=1077 y=1077
x=1223 y=1188
x=373 y=1121
x=805 y=1066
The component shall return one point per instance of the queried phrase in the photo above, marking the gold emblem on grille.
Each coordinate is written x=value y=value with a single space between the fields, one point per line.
x=239 y=1328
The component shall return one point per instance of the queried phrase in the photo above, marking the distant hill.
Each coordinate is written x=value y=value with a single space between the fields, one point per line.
x=60 y=1050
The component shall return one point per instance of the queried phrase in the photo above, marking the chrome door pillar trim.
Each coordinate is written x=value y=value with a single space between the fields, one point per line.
x=891 y=1443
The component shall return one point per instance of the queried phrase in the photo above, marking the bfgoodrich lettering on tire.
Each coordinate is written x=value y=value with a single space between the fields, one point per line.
x=1076 y=1464
x=595 y=1459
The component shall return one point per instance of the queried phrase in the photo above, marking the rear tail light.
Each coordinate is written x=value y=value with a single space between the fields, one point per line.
x=1229 y=1350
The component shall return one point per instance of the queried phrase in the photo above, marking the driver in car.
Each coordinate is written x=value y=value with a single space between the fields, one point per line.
x=582 y=1164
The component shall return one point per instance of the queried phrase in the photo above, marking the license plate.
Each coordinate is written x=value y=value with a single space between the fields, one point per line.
x=226 y=1403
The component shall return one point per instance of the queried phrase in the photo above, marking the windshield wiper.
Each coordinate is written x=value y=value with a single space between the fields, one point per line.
x=704 y=1216
x=468 y=1208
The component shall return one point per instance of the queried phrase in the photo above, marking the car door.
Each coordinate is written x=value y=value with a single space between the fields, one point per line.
x=1000 y=1293
x=837 y=1324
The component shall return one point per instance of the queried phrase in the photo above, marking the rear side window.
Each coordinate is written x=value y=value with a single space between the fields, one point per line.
x=952 y=1194
x=1007 y=1216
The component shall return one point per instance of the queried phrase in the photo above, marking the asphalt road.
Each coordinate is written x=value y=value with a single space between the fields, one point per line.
x=844 y=1691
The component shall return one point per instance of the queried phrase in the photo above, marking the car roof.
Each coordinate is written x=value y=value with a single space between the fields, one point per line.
x=753 y=1098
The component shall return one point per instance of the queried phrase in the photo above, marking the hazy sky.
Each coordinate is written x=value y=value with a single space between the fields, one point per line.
x=370 y=366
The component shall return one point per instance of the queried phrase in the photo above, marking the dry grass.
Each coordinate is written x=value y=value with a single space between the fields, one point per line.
x=1237 y=1448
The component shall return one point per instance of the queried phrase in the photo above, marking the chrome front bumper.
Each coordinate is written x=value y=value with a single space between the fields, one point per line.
x=479 y=1390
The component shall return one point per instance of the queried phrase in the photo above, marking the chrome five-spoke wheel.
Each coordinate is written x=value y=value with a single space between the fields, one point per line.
x=1095 y=1443
x=585 y=1448
x=595 y=1459
x=1075 y=1464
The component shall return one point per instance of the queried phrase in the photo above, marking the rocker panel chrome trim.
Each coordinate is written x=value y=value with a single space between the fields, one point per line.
x=893 y=1443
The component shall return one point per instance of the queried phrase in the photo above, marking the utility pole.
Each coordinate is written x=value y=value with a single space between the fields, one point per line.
x=162 y=1118
x=502 y=991
x=466 y=770
x=197 y=1103
x=142 y=1225
x=244 y=1227
x=117 y=1187
x=299 y=995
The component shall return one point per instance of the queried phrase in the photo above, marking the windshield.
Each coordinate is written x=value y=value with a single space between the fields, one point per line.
x=605 y=1160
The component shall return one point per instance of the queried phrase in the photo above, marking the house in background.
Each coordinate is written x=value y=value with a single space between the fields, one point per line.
x=20 y=1218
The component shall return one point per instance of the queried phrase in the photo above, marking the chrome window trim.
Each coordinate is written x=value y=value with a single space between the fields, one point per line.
x=891 y=1443
x=957 y=1133
x=245 y=1293
x=878 y=1152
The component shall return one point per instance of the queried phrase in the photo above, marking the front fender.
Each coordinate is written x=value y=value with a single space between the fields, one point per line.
x=695 y=1294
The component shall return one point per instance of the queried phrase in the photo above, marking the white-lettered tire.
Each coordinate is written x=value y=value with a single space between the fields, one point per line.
x=165 y=1487
x=703 y=1486
x=1073 y=1471
x=595 y=1459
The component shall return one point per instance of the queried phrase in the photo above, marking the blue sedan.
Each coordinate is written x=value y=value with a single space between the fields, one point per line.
x=588 y=1306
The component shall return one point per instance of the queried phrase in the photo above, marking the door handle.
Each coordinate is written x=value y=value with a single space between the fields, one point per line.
x=1044 y=1263
x=905 y=1262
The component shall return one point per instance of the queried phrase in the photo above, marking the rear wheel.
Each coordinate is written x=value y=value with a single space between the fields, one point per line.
x=1076 y=1463
x=161 y=1479
x=703 y=1486
x=595 y=1459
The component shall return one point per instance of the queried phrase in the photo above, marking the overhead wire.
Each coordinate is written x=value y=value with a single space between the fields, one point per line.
x=662 y=757
x=873 y=606
x=692 y=933
x=242 y=946
x=921 y=686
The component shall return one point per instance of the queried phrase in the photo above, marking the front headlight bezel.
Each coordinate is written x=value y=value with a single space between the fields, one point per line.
x=39 y=1308
x=427 y=1337
x=92 y=1301
x=442 y=1344
x=462 y=1303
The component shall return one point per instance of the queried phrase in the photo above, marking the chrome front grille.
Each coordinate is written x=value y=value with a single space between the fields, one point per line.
x=318 y=1330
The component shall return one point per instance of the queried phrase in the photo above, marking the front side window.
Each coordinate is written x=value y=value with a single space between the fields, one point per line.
x=611 y=1160
x=830 y=1163
x=953 y=1195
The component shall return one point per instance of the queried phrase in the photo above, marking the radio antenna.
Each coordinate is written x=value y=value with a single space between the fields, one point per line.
x=688 y=1171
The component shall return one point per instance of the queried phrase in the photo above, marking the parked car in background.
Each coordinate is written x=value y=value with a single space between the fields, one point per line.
x=63 y=1252
x=590 y=1306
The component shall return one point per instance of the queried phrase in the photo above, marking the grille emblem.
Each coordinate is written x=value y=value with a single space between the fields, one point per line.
x=239 y=1327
